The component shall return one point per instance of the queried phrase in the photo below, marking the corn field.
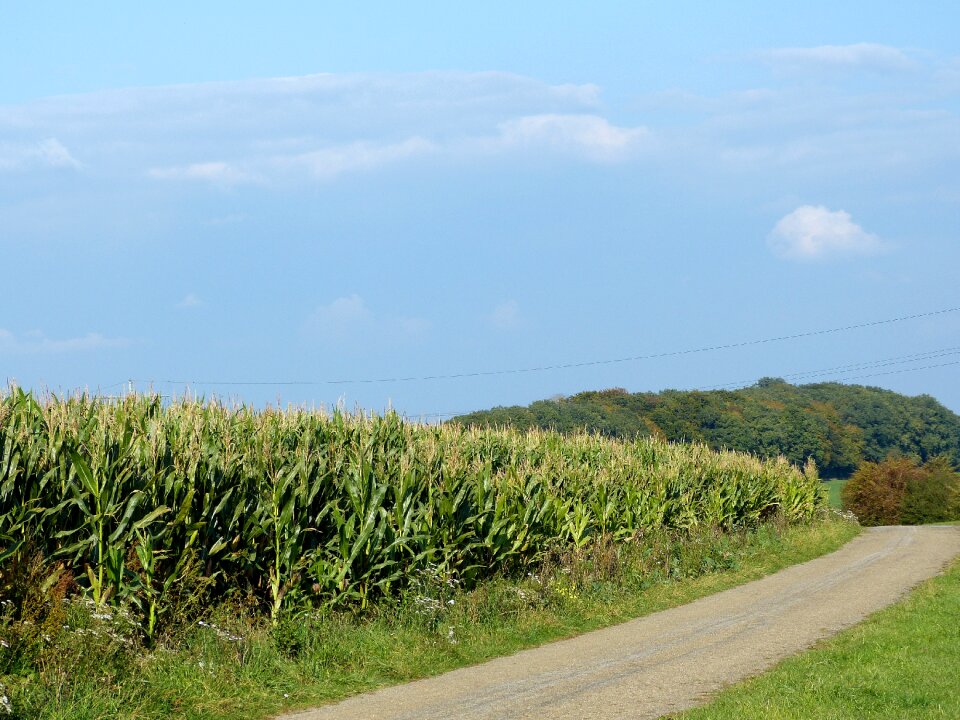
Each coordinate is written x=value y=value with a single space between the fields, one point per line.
x=136 y=498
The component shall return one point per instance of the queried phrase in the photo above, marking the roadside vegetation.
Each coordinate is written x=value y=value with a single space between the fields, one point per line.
x=233 y=662
x=902 y=491
x=901 y=663
x=839 y=426
x=196 y=560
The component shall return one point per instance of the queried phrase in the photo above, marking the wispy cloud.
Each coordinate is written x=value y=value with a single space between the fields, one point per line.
x=309 y=128
x=591 y=135
x=812 y=232
x=339 y=316
x=870 y=57
x=348 y=317
x=47 y=153
x=189 y=301
x=218 y=173
x=330 y=162
x=505 y=316
x=52 y=153
x=37 y=342
x=797 y=131
x=300 y=132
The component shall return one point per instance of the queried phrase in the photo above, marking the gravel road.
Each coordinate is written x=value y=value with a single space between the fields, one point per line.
x=674 y=659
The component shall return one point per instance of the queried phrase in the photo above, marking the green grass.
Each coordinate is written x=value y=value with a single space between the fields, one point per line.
x=322 y=657
x=903 y=662
x=834 y=488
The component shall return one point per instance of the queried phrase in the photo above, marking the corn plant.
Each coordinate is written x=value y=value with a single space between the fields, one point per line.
x=299 y=508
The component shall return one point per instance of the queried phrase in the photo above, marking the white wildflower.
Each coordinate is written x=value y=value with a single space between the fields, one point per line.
x=220 y=632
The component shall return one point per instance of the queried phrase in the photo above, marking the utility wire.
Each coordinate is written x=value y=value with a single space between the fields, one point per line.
x=904 y=370
x=813 y=373
x=899 y=360
x=827 y=372
x=566 y=366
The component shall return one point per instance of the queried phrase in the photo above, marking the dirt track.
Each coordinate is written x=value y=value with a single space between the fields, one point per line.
x=673 y=659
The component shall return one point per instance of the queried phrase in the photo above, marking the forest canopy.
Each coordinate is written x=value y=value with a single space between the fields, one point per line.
x=839 y=426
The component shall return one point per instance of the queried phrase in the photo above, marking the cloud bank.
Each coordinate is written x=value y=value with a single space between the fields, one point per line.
x=310 y=128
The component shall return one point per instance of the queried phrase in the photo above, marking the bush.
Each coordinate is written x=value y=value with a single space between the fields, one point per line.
x=876 y=491
x=933 y=497
x=899 y=490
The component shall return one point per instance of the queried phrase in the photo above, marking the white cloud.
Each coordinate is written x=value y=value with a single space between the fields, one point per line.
x=506 y=315
x=329 y=162
x=218 y=173
x=298 y=129
x=344 y=313
x=812 y=133
x=37 y=342
x=860 y=56
x=190 y=300
x=812 y=232
x=292 y=133
x=349 y=316
x=48 y=153
x=52 y=153
x=591 y=135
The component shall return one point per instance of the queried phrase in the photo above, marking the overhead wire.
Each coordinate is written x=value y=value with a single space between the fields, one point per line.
x=826 y=372
x=898 y=360
x=565 y=366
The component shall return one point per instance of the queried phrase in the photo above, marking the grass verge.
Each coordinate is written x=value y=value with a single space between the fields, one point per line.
x=901 y=663
x=834 y=487
x=236 y=665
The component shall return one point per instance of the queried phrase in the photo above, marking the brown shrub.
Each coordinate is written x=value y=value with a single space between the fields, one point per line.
x=898 y=490
x=876 y=492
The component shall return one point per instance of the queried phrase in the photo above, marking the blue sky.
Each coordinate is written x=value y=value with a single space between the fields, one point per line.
x=313 y=193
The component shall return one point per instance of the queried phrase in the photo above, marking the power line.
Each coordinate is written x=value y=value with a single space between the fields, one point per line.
x=904 y=370
x=827 y=372
x=814 y=373
x=565 y=366
x=899 y=360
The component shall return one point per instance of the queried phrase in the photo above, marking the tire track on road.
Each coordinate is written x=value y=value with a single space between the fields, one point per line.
x=672 y=660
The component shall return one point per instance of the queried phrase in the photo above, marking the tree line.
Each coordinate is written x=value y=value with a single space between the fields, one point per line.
x=839 y=426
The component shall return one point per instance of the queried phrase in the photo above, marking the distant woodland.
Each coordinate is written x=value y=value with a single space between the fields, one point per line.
x=838 y=425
